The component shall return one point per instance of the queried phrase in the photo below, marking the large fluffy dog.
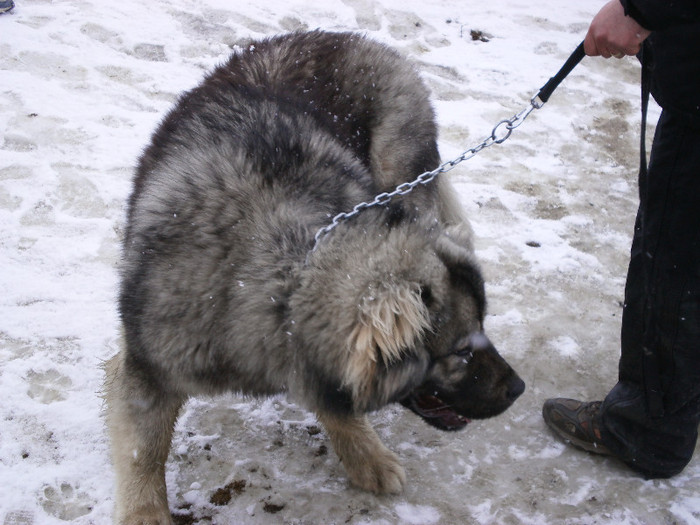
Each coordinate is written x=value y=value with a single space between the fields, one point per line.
x=220 y=290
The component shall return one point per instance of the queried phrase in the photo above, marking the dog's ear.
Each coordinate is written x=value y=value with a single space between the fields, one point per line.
x=462 y=266
x=391 y=318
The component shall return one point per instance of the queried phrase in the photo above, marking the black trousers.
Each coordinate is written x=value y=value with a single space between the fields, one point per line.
x=651 y=417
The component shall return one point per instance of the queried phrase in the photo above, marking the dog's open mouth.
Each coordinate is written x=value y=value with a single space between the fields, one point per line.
x=435 y=411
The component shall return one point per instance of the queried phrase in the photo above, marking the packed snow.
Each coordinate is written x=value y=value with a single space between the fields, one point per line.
x=83 y=83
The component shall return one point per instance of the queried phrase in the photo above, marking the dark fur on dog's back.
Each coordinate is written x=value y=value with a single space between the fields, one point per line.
x=349 y=85
x=220 y=291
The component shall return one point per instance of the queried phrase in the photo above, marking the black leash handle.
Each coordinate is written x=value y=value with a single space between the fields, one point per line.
x=546 y=91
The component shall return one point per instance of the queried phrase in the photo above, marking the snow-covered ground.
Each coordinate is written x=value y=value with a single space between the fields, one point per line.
x=82 y=85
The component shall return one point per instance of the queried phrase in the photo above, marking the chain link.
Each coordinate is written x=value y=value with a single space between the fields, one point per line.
x=500 y=133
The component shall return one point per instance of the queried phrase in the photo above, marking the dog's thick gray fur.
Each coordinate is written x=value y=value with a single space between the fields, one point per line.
x=220 y=293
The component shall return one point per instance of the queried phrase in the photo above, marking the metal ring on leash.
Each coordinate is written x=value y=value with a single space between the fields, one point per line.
x=509 y=131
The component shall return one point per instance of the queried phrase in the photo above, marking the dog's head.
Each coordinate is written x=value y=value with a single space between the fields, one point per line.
x=414 y=329
x=467 y=378
x=471 y=382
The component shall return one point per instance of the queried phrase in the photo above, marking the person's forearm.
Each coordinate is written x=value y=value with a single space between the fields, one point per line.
x=662 y=14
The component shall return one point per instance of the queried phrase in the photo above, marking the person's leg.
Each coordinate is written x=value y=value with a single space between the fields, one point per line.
x=652 y=415
x=650 y=419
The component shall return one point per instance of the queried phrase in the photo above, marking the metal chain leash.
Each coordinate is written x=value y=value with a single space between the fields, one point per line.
x=499 y=134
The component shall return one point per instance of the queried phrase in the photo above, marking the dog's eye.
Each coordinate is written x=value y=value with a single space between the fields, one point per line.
x=463 y=348
x=465 y=352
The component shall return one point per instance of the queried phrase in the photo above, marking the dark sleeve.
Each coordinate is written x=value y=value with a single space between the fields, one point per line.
x=662 y=14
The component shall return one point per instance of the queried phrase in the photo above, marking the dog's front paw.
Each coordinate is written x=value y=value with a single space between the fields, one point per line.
x=147 y=516
x=369 y=464
x=377 y=471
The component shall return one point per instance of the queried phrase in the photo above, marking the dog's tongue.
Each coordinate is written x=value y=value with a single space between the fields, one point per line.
x=436 y=412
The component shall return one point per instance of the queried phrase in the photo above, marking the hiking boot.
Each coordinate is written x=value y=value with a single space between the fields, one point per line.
x=576 y=422
x=6 y=5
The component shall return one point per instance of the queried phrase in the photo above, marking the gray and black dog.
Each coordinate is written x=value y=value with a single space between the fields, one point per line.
x=221 y=290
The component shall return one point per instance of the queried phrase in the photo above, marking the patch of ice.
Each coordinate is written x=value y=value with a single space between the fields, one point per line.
x=566 y=346
x=687 y=509
x=417 y=514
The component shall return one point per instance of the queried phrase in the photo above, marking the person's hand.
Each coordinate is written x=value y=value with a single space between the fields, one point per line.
x=612 y=34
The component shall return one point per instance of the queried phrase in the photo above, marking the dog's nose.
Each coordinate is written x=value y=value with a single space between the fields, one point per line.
x=516 y=386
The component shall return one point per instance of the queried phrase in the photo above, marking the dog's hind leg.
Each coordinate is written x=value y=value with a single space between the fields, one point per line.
x=140 y=421
x=369 y=464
